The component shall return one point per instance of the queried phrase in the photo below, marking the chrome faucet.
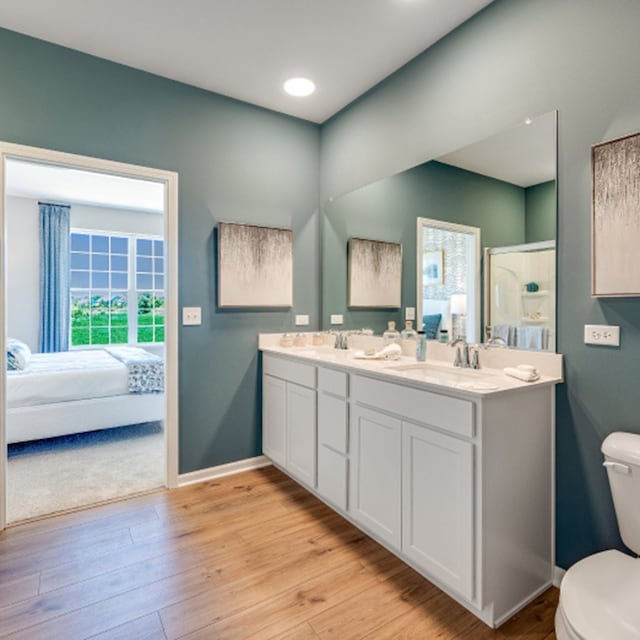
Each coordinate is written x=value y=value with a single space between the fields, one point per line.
x=462 y=357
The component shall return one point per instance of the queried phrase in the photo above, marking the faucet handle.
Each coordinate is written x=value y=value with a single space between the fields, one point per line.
x=475 y=358
x=465 y=356
x=458 y=359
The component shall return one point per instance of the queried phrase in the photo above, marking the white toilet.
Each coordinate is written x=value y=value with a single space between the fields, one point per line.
x=600 y=595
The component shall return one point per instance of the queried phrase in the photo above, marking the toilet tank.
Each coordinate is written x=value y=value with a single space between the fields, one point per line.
x=622 y=461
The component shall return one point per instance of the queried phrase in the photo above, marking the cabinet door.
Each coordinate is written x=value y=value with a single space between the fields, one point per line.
x=437 y=506
x=375 y=473
x=274 y=416
x=301 y=433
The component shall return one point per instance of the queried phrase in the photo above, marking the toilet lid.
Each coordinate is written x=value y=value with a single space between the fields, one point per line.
x=600 y=597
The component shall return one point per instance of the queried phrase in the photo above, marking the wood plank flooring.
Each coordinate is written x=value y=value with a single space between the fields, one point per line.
x=247 y=557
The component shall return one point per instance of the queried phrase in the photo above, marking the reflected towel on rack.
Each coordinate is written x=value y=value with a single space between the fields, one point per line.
x=505 y=331
x=533 y=338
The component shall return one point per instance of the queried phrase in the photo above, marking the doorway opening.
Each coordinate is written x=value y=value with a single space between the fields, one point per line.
x=89 y=409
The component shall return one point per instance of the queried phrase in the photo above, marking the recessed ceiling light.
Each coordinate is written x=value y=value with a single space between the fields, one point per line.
x=299 y=87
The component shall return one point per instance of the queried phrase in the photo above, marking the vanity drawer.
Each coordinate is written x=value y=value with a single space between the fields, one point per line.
x=332 y=422
x=451 y=414
x=298 y=372
x=332 y=477
x=332 y=381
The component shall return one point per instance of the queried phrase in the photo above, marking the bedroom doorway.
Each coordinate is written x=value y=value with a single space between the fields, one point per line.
x=100 y=419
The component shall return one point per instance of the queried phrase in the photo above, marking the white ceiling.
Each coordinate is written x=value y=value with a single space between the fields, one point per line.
x=246 y=49
x=523 y=155
x=72 y=186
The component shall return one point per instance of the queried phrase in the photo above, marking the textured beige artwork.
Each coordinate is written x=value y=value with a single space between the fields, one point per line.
x=375 y=273
x=255 y=266
x=615 y=167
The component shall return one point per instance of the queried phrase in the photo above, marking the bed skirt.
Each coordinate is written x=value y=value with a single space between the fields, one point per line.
x=63 y=418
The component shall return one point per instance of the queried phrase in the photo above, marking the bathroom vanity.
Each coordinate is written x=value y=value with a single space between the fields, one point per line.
x=451 y=470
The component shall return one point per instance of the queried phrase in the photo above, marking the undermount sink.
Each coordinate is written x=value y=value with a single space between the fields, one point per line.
x=475 y=379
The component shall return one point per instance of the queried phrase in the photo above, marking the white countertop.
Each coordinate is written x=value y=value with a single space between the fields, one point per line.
x=434 y=374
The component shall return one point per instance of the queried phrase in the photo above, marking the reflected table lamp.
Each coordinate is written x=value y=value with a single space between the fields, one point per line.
x=458 y=308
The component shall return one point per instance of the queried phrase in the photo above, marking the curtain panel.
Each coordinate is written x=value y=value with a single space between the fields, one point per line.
x=55 y=223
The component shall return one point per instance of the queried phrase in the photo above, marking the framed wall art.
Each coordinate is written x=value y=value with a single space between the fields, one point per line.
x=615 y=217
x=433 y=267
x=255 y=266
x=375 y=274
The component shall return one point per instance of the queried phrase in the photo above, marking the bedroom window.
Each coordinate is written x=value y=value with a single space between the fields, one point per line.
x=117 y=288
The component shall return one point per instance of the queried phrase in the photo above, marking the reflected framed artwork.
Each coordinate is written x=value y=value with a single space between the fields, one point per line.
x=615 y=217
x=375 y=274
x=255 y=266
x=433 y=267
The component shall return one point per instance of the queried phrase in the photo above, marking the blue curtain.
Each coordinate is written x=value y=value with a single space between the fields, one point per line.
x=54 y=277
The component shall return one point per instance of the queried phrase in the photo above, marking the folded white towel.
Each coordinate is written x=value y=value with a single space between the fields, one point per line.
x=528 y=374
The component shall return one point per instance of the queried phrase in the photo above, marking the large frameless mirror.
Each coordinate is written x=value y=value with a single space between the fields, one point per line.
x=503 y=186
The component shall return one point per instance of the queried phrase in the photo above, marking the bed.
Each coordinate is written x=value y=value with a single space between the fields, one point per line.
x=83 y=390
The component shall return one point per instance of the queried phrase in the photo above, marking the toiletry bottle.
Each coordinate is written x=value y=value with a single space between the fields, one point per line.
x=390 y=335
x=444 y=336
x=286 y=340
x=421 y=347
x=408 y=333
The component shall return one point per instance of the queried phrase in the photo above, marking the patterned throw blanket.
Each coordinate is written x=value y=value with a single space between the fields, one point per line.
x=146 y=371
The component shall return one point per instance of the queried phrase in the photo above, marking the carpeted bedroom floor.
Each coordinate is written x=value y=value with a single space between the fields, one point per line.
x=46 y=476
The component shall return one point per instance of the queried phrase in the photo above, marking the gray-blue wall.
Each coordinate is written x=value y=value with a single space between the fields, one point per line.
x=521 y=58
x=235 y=162
x=540 y=207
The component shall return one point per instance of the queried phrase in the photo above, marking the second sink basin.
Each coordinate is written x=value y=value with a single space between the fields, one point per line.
x=475 y=379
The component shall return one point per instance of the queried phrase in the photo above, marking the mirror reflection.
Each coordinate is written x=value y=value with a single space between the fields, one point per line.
x=505 y=187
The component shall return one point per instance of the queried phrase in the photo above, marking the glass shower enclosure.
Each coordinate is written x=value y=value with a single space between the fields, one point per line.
x=520 y=295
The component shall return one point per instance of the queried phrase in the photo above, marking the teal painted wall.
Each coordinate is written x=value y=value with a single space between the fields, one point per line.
x=235 y=162
x=519 y=58
x=388 y=209
x=540 y=208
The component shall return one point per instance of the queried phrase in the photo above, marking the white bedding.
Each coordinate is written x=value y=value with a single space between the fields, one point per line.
x=66 y=376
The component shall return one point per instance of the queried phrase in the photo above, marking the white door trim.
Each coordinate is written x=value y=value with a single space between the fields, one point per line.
x=170 y=181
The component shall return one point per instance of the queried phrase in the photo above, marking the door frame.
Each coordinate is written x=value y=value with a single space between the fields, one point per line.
x=87 y=163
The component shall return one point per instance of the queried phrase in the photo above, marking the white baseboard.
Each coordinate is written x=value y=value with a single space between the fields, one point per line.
x=558 y=574
x=228 y=469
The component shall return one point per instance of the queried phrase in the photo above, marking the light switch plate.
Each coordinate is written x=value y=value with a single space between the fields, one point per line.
x=409 y=313
x=336 y=318
x=302 y=320
x=605 y=335
x=191 y=316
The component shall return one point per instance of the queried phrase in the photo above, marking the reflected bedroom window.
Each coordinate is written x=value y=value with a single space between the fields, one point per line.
x=117 y=288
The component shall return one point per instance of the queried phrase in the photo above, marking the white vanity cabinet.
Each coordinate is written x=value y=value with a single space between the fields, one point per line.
x=289 y=416
x=458 y=485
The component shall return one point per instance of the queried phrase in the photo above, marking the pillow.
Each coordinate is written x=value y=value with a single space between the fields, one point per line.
x=18 y=354
x=430 y=324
